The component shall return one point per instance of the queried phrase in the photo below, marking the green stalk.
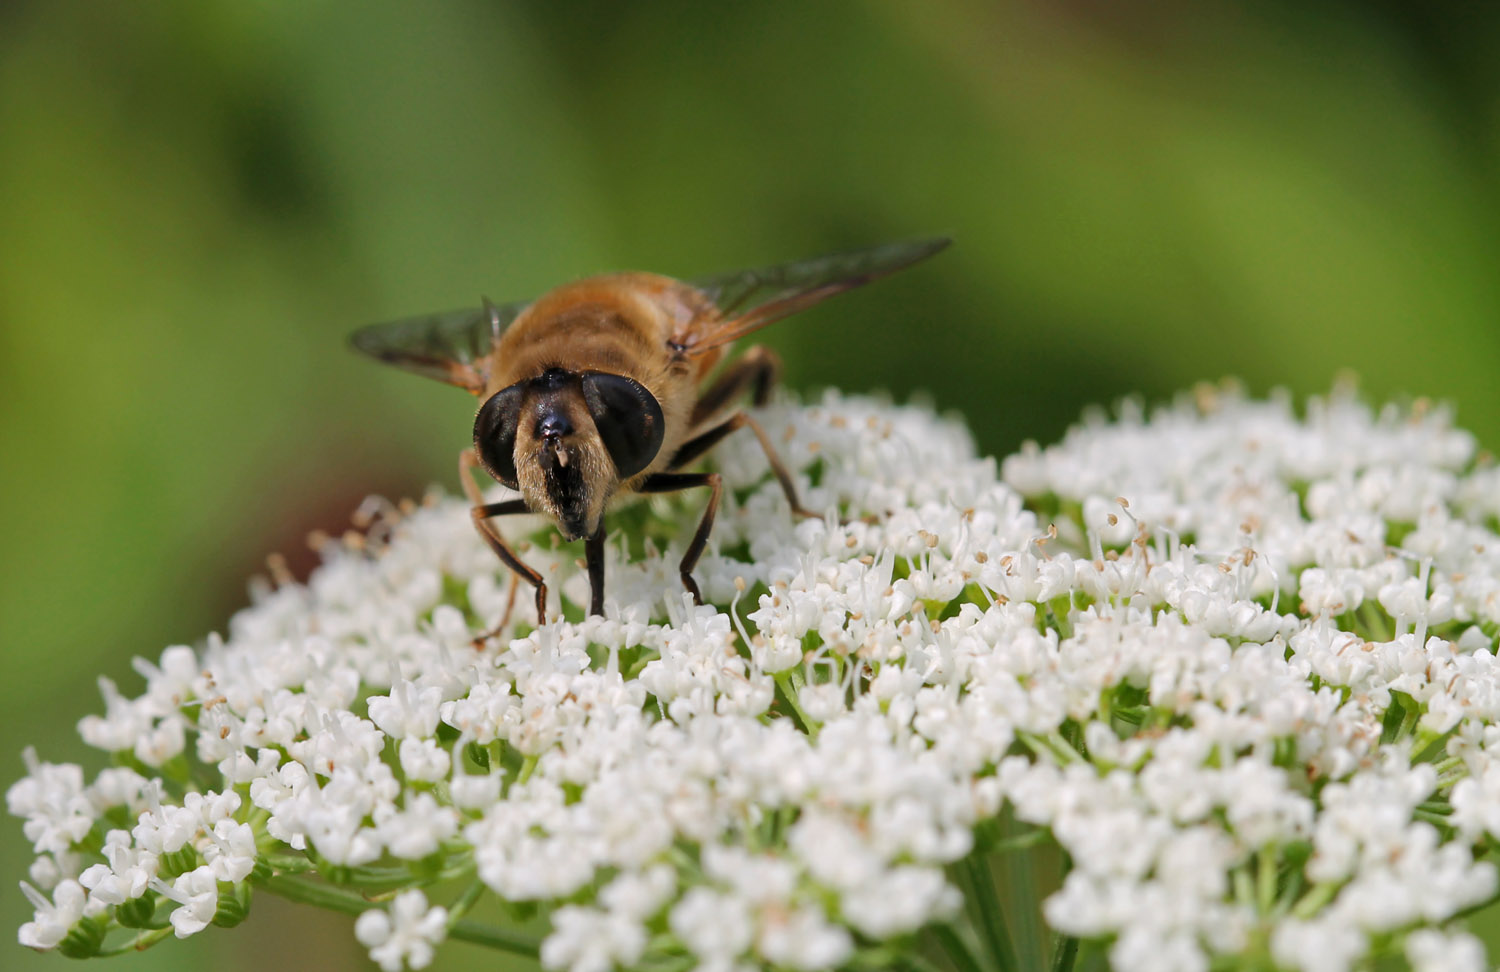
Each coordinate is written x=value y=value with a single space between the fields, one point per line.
x=138 y=943
x=955 y=948
x=351 y=903
x=288 y=864
x=1064 y=953
x=1243 y=886
x=1442 y=766
x=1411 y=711
x=1436 y=819
x=1313 y=901
x=913 y=963
x=1265 y=881
x=1052 y=744
x=991 y=920
x=317 y=894
x=1064 y=947
x=461 y=907
x=1030 y=838
x=789 y=681
x=1296 y=881
x=500 y=939
x=1027 y=935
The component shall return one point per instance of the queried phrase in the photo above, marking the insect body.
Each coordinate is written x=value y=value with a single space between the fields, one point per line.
x=598 y=387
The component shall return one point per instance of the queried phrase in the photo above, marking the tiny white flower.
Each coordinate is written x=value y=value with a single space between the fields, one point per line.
x=230 y=851
x=474 y=792
x=1430 y=950
x=197 y=896
x=54 y=917
x=407 y=711
x=125 y=876
x=423 y=760
x=416 y=831
x=803 y=939
x=404 y=936
x=715 y=926
x=590 y=940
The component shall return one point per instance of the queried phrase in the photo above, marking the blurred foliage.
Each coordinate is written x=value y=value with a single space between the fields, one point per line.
x=199 y=199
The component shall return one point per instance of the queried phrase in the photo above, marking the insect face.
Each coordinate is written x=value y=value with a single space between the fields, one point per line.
x=567 y=440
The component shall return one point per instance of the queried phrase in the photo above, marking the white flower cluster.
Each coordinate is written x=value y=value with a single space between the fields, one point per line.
x=1239 y=664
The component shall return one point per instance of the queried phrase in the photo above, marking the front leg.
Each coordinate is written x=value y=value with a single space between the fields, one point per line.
x=669 y=482
x=593 y=552
x=756 y=369
x=695 y=447
x=481 y=512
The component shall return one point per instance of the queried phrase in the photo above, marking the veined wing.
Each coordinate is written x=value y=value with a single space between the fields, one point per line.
x=450 y=346
x=750 y=299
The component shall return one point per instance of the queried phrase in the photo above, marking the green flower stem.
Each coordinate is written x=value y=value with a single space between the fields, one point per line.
x=1064 y=953
x=1477 y=907
x=1027 y=935
x=1294 y=885
x=465 y=901
x=1052 y=744
x=284 y=864
x=914 y=962
x=1243 y=884
x=1428 y=744
x=500 y=939
x=526 y=769
x=1265 y=881
x=986 y=903
x=138 y=943
x=1413 y=711
x=1375 y=622
x=789 y=682
x=1031 y=838
x=955 y=948
x=352 y=903
x=1449 y=763
x=1436 y=819
x=317 y=894
x=1064 y=947
x=684 y=861
x=1313 y=901
x=1449 y=780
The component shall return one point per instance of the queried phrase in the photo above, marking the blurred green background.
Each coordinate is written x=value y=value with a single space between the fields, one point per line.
x=198 y=200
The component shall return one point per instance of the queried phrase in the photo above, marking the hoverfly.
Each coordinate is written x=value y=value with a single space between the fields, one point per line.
x=598 y=387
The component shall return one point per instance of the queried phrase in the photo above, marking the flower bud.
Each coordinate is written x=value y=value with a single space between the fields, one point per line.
x=234 y=904
x=177 y=862
x=138 y=912
x=83 y=939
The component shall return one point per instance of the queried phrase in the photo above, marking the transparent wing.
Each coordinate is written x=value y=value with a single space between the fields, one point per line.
x=751 y=299
x=450 y=346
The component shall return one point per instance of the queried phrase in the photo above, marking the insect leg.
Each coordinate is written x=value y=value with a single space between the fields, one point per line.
x=593 y=552
x=481 y=512
x=693 y=448
x=698 y=445
x=669 y=482
x=758 y=367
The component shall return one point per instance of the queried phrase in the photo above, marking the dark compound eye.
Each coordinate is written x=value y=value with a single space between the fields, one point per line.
x=628 y=418
x=495 y=433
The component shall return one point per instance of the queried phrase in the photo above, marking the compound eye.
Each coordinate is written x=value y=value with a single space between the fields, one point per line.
x=495 y=433
x=628 y=419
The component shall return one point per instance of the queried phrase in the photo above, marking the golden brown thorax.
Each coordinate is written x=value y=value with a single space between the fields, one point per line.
x=629 y=324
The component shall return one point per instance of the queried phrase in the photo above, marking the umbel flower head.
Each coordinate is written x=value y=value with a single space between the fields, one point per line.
x=1227 y=670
